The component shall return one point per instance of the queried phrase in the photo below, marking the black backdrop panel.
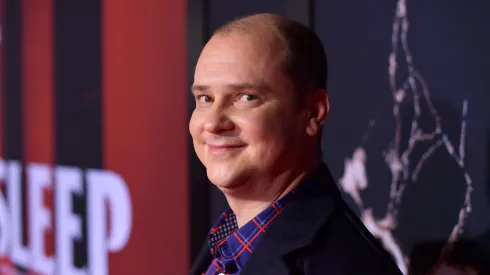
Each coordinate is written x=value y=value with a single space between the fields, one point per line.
x=222 y=11
x=448 y=43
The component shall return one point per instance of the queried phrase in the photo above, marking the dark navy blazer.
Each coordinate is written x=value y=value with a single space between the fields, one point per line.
x=316 y=234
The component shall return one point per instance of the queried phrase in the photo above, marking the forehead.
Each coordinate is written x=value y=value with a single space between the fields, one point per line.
x=235 y=58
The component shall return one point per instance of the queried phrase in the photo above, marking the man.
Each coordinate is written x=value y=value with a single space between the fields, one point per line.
x=261 y=100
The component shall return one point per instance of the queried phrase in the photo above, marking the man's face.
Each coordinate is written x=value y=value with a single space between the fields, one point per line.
x=247 y=124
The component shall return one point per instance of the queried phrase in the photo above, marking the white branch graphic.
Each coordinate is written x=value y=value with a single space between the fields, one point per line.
x=398 y=161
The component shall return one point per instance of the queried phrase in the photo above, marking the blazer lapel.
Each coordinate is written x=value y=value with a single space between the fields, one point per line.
x=296 y=226
x=202 y=262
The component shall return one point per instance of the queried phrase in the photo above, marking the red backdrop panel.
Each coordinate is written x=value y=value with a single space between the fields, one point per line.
x=145 y=128
x=37 y=91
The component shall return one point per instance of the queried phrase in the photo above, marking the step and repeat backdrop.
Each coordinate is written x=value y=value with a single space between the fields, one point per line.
x=408 y=136
x=95 y=158
x=93 y=163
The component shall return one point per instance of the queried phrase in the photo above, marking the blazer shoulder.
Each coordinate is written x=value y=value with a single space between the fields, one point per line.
x=202 y=261
x=345 y=246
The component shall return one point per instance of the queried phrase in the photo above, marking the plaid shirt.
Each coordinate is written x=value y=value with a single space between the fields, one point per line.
x=232 y=246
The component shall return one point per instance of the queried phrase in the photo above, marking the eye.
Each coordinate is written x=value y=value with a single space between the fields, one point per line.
x=203 y=99
x=247 y=97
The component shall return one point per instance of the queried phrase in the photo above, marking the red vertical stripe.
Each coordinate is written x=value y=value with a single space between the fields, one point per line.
x=37 y=91
x=145 y=128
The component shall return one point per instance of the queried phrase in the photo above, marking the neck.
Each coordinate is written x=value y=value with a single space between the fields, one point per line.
x=254 y=197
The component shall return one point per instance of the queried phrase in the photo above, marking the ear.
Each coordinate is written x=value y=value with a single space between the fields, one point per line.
x=319 y=106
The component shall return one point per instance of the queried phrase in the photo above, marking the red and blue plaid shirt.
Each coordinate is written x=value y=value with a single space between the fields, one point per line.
x=232 y=246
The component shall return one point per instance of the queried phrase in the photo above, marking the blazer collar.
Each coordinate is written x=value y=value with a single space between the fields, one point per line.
x=297 y=225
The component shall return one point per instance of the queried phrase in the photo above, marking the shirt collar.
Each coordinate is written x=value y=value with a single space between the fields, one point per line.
x=227 y=240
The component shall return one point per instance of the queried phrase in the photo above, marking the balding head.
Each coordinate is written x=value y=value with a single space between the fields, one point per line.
x=249 y=125
x=302 y=56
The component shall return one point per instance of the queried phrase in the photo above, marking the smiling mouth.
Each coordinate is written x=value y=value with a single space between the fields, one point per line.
x=224 y=148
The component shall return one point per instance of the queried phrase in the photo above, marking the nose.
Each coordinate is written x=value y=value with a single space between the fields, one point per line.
x=217 y=121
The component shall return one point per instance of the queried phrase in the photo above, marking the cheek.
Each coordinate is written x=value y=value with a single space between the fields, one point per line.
x=195 y=125
x=265 y=128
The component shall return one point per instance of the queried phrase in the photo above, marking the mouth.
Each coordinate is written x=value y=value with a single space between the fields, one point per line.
x=224 y=147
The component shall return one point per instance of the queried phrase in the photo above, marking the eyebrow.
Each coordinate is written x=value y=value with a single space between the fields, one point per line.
x=237 y=86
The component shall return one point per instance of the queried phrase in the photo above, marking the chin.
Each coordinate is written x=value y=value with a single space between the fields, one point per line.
x=227 y=179
x=220 y=179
